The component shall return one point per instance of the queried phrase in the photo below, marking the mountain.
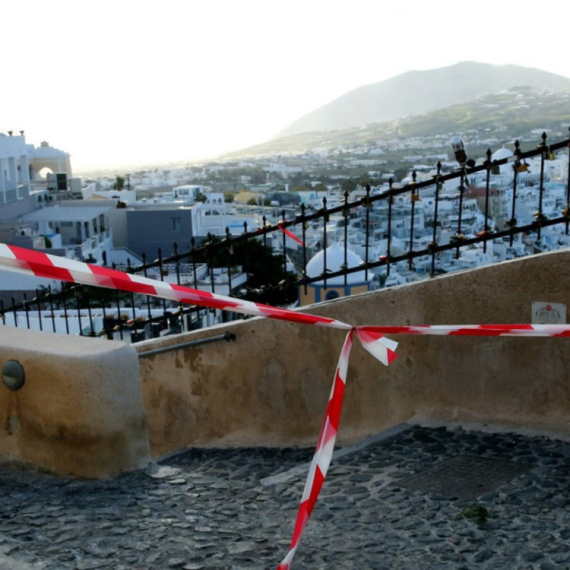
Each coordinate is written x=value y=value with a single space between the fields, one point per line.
x=417 y=92
x=517 y=113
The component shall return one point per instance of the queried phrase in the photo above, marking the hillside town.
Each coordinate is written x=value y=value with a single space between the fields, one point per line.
x=131 y=218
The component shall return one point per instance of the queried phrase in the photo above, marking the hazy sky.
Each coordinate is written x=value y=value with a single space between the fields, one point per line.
x=128 y=82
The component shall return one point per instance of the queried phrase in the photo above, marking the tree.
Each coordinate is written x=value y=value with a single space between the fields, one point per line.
x=258 y=177
x=268 y=282
x=229 y=197
x=348 y=185
x=119 y=183
x=401 y=173
x=364 y=180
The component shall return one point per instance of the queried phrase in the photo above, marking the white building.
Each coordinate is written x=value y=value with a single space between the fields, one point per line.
x=14 y=176
x=76 y=229
x=34 y=214
x=332 y=260
x=22 y=189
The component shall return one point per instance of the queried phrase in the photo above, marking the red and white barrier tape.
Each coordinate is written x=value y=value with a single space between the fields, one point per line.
x=323 y=452
x=473 y=330
x=43 y=265
x=371 y=337
x=290 y=234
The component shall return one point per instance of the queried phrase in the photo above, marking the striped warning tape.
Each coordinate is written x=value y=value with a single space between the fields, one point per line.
x=371 y=337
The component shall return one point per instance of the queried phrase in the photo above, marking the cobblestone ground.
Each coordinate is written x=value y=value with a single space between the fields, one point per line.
x=208 y=509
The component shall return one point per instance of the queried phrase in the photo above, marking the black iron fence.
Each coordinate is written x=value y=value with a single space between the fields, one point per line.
x=468 y=208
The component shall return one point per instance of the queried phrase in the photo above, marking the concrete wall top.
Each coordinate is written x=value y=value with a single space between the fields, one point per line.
x=80 y=410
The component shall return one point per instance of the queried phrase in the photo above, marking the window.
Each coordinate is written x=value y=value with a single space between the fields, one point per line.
x=176 y=224
x=330 y=295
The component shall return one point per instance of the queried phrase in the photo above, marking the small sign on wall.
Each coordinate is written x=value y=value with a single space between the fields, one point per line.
x=548 y=313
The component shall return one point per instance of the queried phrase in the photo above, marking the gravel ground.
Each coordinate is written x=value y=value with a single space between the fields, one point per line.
x=412 y=500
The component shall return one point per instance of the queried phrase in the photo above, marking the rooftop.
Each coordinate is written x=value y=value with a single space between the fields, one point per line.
x=413 y=497
x=63 y=213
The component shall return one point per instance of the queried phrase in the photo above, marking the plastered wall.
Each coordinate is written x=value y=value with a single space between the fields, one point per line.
x=271 y=386
x=80 y=411
x=92 y=408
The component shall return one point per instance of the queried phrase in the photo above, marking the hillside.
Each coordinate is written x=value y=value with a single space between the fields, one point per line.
x=505 y=116
x=418 y=92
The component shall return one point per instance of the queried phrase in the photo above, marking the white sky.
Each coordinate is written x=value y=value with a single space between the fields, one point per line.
x=128 y=82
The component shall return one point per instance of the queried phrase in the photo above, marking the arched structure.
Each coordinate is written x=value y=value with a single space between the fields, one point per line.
x=46 y=156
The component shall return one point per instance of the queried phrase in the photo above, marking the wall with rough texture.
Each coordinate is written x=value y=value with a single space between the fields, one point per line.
x=271 y=386
x=80 y=411
x=91 y=408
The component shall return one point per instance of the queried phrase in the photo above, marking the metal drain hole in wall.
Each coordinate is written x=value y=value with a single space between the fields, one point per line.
x=464 y=476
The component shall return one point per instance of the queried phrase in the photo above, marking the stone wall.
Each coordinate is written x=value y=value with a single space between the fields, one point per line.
x=271 y=386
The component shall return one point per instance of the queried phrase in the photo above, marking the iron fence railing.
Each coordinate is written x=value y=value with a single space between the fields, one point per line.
x=504 y=190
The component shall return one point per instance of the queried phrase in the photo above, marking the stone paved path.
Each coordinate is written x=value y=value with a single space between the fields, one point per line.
x=208 y=509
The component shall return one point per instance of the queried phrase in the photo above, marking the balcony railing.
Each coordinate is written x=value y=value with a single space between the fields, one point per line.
x=472 y=208
x=399 y=205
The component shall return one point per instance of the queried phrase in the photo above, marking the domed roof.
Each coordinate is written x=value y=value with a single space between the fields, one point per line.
x=335 y=261
x=502 y=153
